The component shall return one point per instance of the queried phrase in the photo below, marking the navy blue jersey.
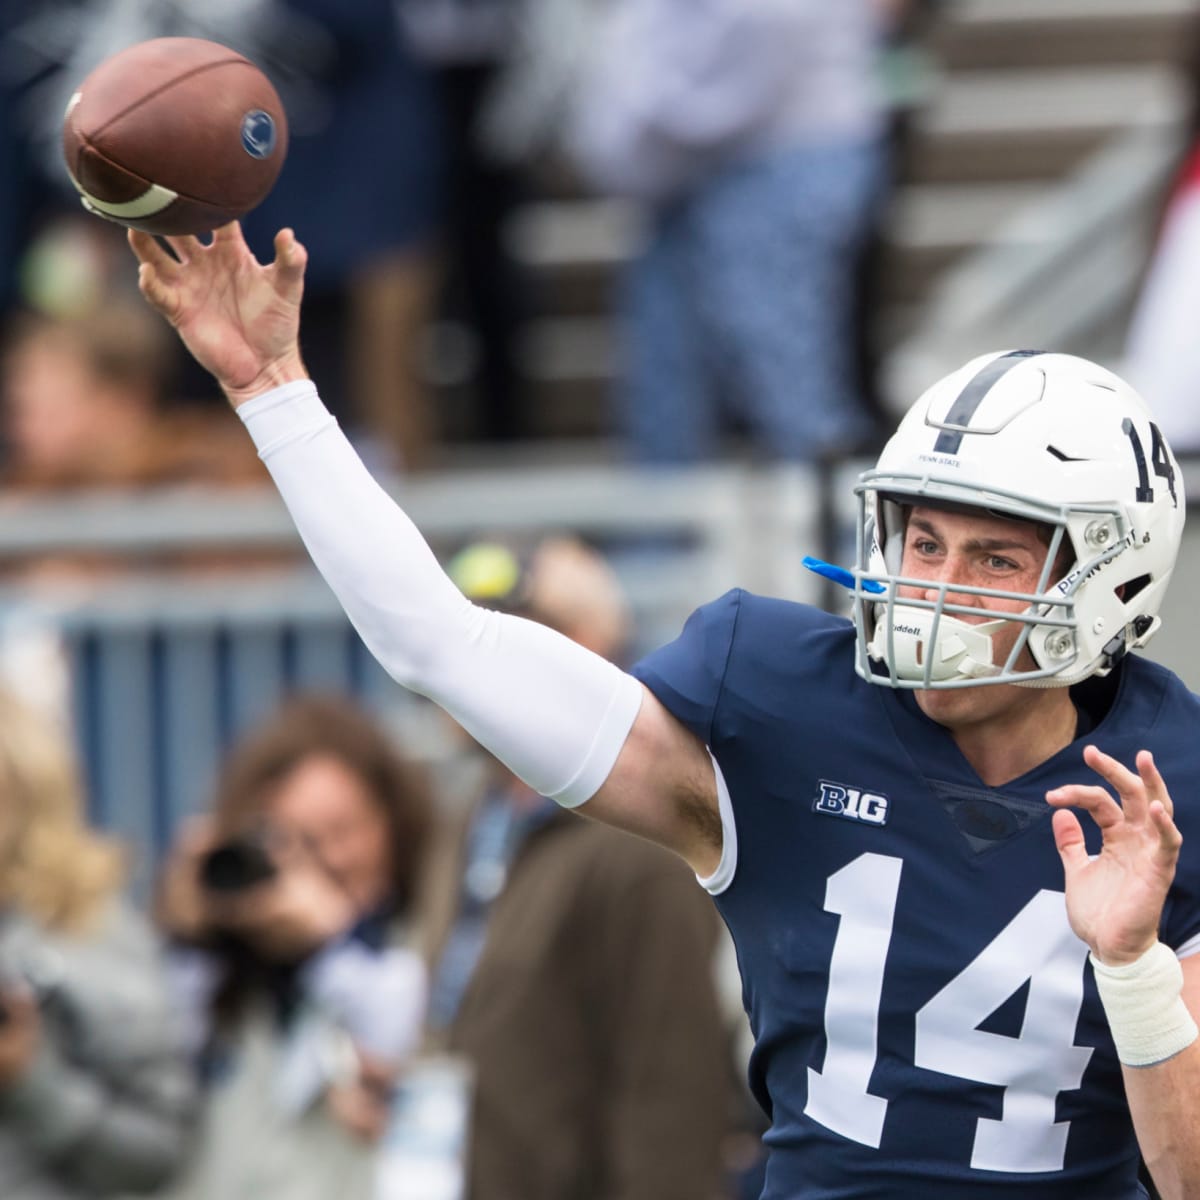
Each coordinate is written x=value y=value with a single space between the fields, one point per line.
x=926 y=1024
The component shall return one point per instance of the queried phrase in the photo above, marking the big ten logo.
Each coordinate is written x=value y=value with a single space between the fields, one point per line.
x=838 y=800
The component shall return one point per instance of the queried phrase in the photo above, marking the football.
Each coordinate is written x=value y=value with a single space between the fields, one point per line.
x=174 y=136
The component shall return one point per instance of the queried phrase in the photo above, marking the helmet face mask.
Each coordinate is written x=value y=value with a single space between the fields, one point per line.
x=1044 y=438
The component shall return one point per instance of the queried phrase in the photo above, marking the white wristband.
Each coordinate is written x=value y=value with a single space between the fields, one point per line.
x=1146 y=1014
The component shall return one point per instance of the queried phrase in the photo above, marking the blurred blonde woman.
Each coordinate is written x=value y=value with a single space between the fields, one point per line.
x=94 y=1095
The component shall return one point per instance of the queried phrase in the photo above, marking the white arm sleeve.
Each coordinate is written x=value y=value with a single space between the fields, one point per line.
x=554 y=713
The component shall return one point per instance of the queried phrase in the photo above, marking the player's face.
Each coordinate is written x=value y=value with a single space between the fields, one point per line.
x=977 y=551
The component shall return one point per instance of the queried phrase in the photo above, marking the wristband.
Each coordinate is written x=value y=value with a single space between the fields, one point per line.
x=1146 y=1014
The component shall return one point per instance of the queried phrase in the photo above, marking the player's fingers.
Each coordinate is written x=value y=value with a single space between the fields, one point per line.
x=289 y=253
x=1102 y=808
x=1119 y=775
x=186 y=247
x=160 y=294
x=148 y=250
x=288 y=267
x=1166 y=853
x=231 y=231
x=1153 y=782
x=1127 y=783
x=230 y=240
x=1068 y=838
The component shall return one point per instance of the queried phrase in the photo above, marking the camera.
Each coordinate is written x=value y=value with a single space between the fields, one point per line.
x=236 y=864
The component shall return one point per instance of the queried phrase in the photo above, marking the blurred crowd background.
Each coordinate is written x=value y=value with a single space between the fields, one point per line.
x=616 y=296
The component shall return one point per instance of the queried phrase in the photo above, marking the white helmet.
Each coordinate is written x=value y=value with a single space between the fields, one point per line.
x=1040 y=437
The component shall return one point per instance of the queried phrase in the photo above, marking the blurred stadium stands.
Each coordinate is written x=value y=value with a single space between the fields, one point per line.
x=1027 y=96
x=166 y=667
x=1030 y=184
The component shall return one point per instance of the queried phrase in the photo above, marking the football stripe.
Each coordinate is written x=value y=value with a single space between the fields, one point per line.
x=153 y=200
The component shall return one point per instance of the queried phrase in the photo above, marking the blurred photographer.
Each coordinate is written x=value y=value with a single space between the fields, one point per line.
x=289 y=908
x=95 y=1094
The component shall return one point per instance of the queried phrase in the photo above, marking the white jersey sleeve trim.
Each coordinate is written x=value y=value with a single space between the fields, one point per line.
x=722 y=877
x=1190 y=947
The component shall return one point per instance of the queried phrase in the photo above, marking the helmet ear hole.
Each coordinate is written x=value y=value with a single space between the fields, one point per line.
x=1065 y=559
x=1127 y=591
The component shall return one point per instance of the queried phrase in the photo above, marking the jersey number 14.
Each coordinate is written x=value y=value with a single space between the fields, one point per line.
x=1036 y=946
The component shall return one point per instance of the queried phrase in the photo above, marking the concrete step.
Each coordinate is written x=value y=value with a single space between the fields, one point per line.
x=991 y=141
x=986 y=147
x=567 y=365
x=573 y=249
x=975 y=34
x=558 y=409
x=929 y=226
x=1035 y=124
x=566 y=408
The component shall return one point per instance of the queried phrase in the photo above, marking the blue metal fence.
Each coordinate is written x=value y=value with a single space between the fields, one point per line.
x=167 y=669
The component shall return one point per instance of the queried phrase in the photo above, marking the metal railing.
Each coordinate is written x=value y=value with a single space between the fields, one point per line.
x=167 y=665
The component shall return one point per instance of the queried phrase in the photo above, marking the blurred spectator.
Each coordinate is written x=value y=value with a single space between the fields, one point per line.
x=361 y=187
x=53 y=258
x=289 y=909
x=526 y=113
x=95 y=1094
x=29 y=35
x=574 y=964
x=1162 y=353
x=468 y=44
x=84 y=402
x=753 y=132
x=910 y=75
x=15 y=172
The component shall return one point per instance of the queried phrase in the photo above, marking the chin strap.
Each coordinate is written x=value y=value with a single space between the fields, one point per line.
x=962 y=650
x=1136 y=634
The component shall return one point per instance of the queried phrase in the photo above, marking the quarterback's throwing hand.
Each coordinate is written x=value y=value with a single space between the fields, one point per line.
x=239 y=319
x=1115 y=900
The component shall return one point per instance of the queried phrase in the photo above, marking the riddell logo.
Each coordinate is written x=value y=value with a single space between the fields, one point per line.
x=911 y=629
x=838 y=800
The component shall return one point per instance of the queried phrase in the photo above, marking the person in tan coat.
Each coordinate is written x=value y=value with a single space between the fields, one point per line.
x=572 y=965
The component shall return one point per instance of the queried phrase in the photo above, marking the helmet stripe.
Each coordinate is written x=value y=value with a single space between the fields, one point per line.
x=969 y=399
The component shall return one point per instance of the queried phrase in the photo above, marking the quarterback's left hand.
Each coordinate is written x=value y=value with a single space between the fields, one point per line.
x=1115 y=900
